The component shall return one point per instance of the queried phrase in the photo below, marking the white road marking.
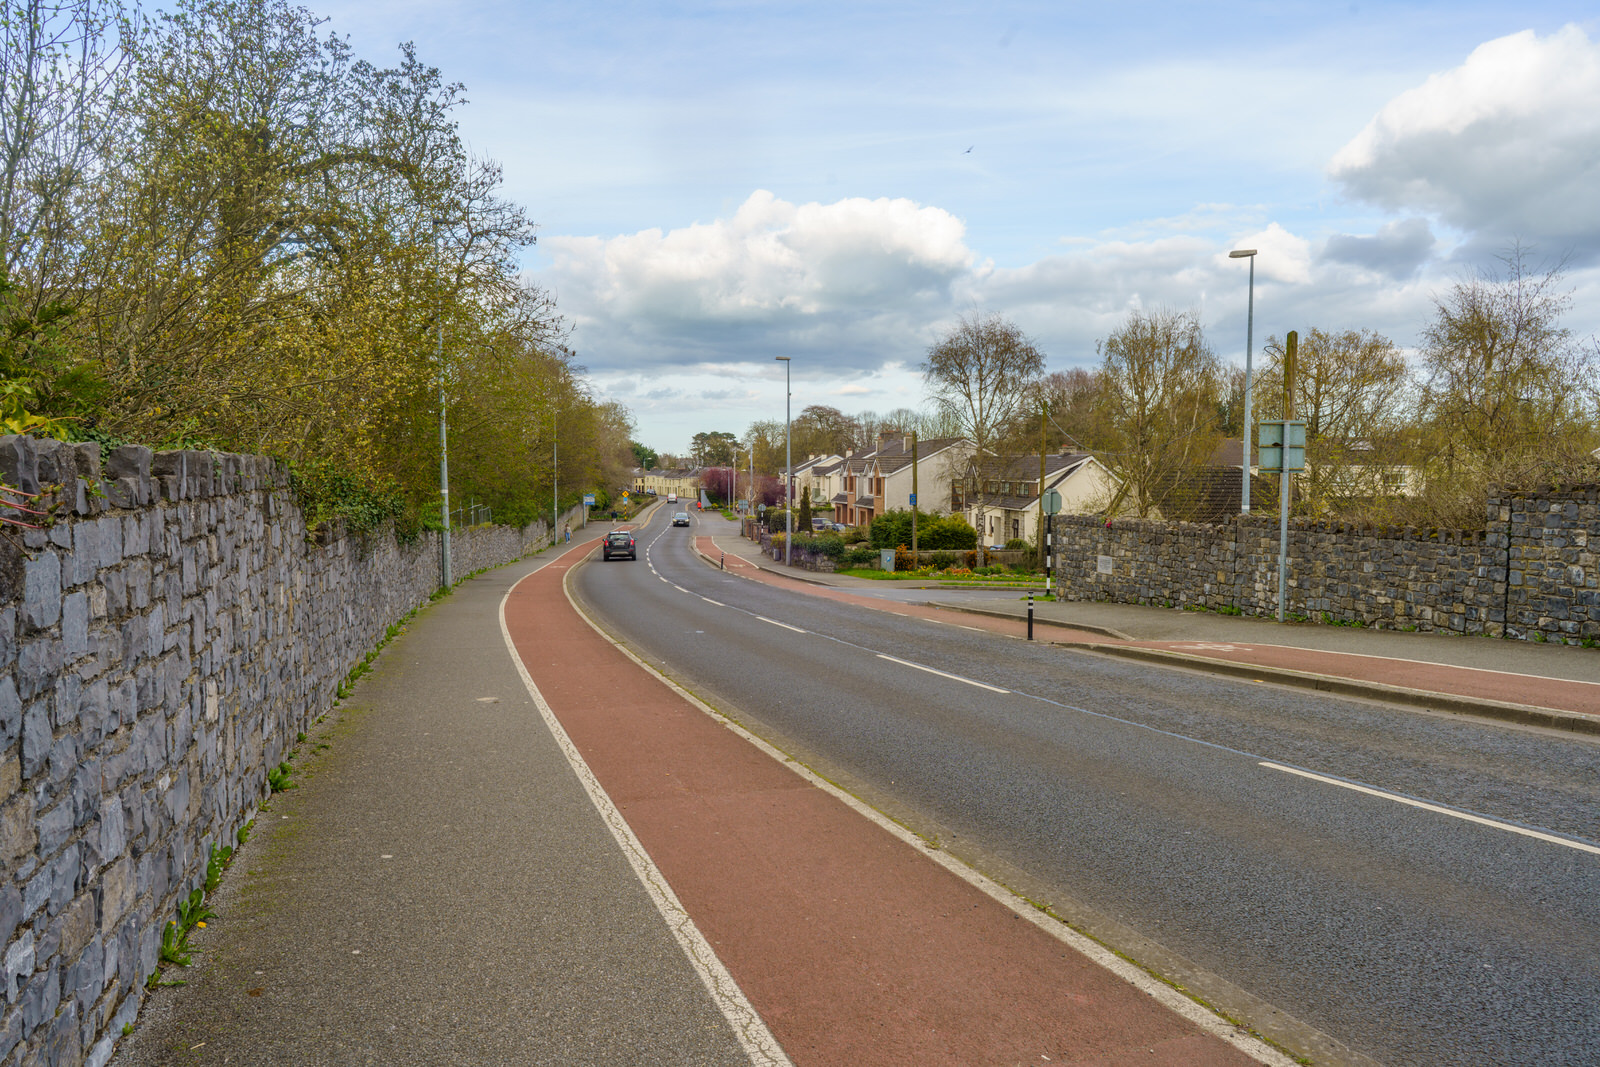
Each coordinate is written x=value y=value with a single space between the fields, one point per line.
x=1197 y=1013
x=785 y=625
x=942 y=674
x=748 y=1026
x=678 y=587
x=1437 y=808
x=715 y=603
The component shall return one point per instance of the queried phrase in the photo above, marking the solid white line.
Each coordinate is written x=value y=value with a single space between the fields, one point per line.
x=1425 y=806
x=1129 y=972
x=942 y=674
x=785 y=625
x=748 y=1026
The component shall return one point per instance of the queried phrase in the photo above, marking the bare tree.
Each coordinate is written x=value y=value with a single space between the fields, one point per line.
x=1351 y=390
x=981 y=375
x=1161 y=384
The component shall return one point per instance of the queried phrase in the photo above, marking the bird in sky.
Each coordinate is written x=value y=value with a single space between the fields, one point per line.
x=968 y=152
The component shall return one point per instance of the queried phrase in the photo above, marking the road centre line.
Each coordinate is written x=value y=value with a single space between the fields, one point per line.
x=1437 y=808
x=942 y=674
x=775 y=622
x=713 y=603
x=1187 y=738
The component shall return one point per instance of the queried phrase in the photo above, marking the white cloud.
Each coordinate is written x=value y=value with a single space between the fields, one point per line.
x=774 y=275
x=1504 y=147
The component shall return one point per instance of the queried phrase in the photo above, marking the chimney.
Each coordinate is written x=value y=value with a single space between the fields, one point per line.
x=905 y=444
x=883 y=437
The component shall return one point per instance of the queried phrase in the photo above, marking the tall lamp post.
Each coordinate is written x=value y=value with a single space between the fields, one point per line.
x=788 y=459
x=1249 y=345
x=444 y=443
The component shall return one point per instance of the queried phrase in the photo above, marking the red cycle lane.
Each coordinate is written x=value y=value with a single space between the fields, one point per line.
x=854 y=947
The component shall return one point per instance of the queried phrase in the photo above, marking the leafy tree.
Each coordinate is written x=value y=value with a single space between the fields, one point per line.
x=805 y=509
x=1350 y=389
x=1160 y=384
x=713 y=448
x=1503 y=378
x=643 y=455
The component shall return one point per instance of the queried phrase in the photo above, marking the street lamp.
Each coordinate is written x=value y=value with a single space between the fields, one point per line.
x=444 y=441
x=788 y=459
x=1249 y=344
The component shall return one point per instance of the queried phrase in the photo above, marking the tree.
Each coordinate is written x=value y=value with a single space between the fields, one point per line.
x=643 y=456
x=712 y=448
x=1349 y=390
x=821 y=430
x=981 y=375
x=1503 y=379
x=805 y=509
x=1160 y=384
x=1076 y=413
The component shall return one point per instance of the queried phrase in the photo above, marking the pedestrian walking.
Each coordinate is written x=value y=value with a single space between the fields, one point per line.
x=569 y=533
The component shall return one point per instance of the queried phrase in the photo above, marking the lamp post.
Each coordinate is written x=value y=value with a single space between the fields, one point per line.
x=444 y=443
x=788 y=459
x=1249 y=345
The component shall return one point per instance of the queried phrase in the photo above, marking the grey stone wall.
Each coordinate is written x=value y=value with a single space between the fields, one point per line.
x=160 y=647
x=1530 y=574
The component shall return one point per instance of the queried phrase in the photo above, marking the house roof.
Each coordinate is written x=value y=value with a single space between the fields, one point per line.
x=894 y=454
x=1058 y=466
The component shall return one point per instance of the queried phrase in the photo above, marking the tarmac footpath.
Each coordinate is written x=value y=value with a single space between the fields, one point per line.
x=439 y=889
x=850 y=941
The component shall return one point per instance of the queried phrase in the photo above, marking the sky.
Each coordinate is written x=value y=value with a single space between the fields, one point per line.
x=719 y=184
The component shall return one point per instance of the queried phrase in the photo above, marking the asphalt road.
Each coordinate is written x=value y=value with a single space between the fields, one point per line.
x=1140 y=801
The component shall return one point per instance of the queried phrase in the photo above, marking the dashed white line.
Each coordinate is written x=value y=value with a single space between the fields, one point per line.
x=1436 y=808
x=714 y=603
x=942 y=674
x=785 y=625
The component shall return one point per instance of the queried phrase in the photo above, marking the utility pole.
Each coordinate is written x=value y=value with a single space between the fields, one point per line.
x=1038 y=531
x=1291 y=343
x=914 y=499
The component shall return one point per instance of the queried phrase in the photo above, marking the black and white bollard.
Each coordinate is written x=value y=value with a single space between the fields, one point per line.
x=1030 y=615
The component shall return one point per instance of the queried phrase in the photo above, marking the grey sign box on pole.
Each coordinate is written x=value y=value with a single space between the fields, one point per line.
x=1272 y=454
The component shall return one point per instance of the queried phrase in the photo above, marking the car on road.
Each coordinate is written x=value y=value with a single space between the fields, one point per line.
x=681 y=519
x=619 y=543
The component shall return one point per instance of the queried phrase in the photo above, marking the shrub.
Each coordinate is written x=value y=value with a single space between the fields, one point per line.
x=828 y=546
x=861 y=557
x=942 y=560
x=903 y=560
x=1019 y=543
x=950 y=532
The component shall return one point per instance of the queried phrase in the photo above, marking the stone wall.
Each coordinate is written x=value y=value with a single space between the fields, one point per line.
x=1529 y=574
x=160 y=647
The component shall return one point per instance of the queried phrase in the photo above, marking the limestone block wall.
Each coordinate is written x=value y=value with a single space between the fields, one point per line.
x=160 y=647
x=1530 y=574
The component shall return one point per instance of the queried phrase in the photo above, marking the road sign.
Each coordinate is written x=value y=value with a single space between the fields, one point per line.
x=588 y=500
x=913 y=500
x=1282 y=445
x=1052 y=502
